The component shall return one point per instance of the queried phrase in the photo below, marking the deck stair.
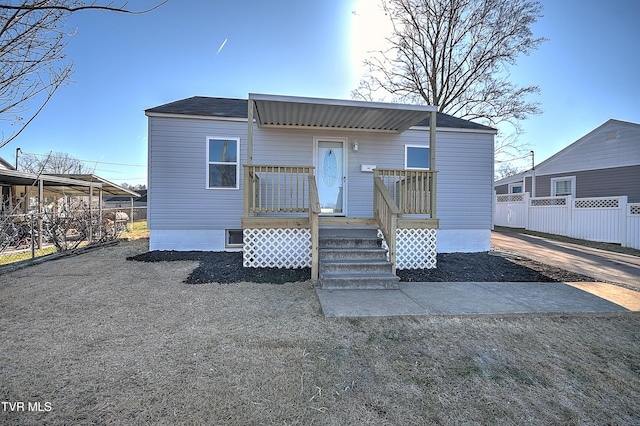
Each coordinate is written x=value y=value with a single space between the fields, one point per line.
x=353 y=258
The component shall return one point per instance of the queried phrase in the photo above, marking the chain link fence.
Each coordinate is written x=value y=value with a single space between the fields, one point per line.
x=31 y=235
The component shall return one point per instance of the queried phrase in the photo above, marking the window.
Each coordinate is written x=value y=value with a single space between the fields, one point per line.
x=223 y=170
x=516 y=188
x=416 y=157
x=234 y=238
x=563 y=186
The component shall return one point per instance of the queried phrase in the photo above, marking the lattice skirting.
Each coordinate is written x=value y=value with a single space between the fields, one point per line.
x=415 y=248
x=287 y=248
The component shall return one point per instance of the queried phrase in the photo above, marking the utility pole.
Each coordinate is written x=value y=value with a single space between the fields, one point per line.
x=533 y=175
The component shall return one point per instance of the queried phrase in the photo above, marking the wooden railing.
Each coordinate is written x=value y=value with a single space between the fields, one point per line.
x=314 y=212
x=276 y=189
x=412 y=191
x=386 y=213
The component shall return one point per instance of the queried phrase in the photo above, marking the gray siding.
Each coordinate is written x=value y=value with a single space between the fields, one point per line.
x=611 y=145
x=178 y=198
x=465 y=180
x=611 y=182
x=502 y=189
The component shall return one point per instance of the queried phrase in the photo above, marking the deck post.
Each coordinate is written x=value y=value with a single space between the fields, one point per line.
x=432 y=163
x=246 y=191
x=314 y=210
x=249 y=156
x=250 y=133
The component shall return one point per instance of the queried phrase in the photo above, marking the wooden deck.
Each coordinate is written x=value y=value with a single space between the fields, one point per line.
x=286 y=197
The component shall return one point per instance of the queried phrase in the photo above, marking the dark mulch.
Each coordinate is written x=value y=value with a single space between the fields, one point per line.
x=226 y=267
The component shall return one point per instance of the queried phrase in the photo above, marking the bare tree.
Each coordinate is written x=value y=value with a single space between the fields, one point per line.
x=54 y=163
x=505 y=170
x=33 y=62
x=455 y=54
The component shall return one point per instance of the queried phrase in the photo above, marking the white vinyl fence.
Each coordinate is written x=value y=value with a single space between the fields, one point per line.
x=604 y=219
x=512 y=210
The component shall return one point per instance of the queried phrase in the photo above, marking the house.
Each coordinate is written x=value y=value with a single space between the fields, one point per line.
x=603 y=163
x=5 y=165
x=263 y=174
x=5 y=192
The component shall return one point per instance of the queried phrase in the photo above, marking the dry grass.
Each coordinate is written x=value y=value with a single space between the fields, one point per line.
x=107 y=341
x=138 y=230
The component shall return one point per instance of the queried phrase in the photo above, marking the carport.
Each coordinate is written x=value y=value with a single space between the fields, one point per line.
x=66 y=185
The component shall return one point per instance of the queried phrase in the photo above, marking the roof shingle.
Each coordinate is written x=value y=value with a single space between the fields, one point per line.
x=237 y=108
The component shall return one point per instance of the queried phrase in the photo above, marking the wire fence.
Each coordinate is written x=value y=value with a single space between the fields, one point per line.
x=31 y=235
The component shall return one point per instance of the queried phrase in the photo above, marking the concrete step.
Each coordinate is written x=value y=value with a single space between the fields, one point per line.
x=338 y=281
x=349 y=266
x=352 y=253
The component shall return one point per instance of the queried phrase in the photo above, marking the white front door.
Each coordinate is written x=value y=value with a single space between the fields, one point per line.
x=331 y=175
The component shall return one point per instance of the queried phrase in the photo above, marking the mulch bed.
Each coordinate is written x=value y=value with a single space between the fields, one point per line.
x=226 y=267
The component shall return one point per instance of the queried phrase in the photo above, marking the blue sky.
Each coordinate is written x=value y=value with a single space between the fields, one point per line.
x=587 y=71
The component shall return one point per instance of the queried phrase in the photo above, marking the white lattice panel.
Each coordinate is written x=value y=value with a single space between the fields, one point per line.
x=597 y=203
x=542 y=202
x=288 y=248
x=634 y=209
x=509 y=198
x=415 y=248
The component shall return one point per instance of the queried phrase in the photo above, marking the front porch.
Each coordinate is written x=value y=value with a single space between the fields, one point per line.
x=285 y=207
x=282 y=219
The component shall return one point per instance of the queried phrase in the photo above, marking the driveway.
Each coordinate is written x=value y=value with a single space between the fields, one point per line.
x=617 y=268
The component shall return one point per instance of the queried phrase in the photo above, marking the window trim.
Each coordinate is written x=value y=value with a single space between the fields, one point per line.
x=512 y=185
x=572 y=179
x=236 y=163
x=227 y=233
x=406 y=149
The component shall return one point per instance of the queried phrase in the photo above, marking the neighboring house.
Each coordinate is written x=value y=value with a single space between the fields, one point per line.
x=603 y=163
x=262 y=174
x=124 y=201
x=5 y=192
x=137 y=206
x=5 y=165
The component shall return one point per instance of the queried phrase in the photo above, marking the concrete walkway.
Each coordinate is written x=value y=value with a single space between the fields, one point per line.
x=463 y=298
x=455 y=298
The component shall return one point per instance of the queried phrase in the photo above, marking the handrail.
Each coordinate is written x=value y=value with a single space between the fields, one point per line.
x=386 y=214
x=314 y=198
x=314 y=211
x=413 y=191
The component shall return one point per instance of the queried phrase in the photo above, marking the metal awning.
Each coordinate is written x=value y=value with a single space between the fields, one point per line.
x=108 y=187
x=64 y=184
x=53 y=183
x=293 y=111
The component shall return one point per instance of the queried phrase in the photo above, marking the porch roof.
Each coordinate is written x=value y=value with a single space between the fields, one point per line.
x=294 y=111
